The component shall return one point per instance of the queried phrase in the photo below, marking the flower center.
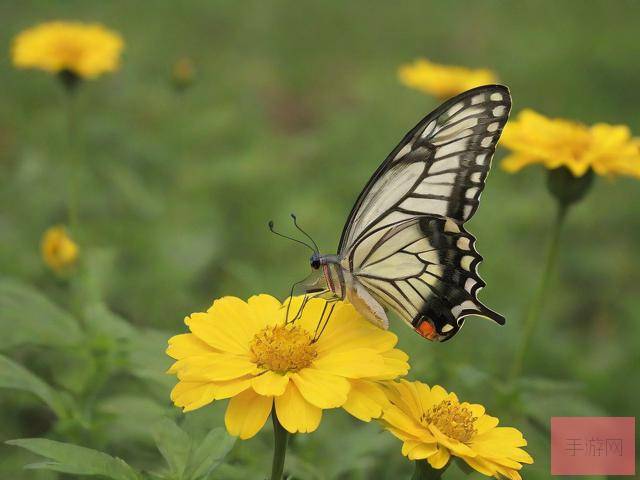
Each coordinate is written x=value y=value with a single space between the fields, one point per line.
x=452 y=419
x=283 y=349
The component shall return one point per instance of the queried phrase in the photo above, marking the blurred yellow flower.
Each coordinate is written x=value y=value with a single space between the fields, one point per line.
x=59 y=251
x=85 y=50
x=183 y=73
x=443 y=81
x=554 y=142
x=244 y=351
x=434 y=425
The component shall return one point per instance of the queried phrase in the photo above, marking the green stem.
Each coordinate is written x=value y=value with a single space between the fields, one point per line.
x=424 y=471
x=281 y=436
x=72 y=163
x=535 y=309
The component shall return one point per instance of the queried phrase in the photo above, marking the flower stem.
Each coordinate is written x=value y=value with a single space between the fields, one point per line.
x=281 y=436
x=424 y=471
x=535 y=309
x=72 y=164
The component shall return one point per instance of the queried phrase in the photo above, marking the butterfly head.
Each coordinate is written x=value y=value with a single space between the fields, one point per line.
x=314 y=261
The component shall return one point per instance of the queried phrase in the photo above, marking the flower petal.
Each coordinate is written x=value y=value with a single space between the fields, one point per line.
x=271 y=311
x=401 y=421
x=193 y=395
x=247 y=413
x=365 y=400
x=357 y=363
x=322 y=389
x=270 y=383
x=187 y=344
x=422 y=451
x=213 y=367
x=295 y=413
x=439 y=459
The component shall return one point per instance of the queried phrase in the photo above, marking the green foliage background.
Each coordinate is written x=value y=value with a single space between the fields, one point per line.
x=293 y=106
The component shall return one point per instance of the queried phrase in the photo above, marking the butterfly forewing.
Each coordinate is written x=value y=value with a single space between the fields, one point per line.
x=404 y=239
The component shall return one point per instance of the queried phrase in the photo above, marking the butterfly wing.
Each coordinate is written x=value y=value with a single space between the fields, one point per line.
x=426 y=189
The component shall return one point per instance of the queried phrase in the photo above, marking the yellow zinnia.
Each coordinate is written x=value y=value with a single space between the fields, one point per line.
x=84 y=50
x=246 y=352
x=434 y=425
x=59 y=251
x=553 y=142
x=443 y=81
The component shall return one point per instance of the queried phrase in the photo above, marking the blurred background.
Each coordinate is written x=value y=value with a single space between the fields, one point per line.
x=292 y=106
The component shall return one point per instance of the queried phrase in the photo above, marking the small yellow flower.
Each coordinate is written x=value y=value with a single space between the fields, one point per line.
x=59 y=251
x=183 y=73
x=244 y=351
x=554 y=142
x=85 y=50
x=434 y=425
x=443 y=81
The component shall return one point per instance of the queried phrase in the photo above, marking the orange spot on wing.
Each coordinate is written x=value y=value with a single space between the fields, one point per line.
x=426 y=330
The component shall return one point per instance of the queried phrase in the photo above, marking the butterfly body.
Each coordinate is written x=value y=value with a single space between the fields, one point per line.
x=404 y=246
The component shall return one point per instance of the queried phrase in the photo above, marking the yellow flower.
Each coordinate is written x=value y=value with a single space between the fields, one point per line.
x=443 y=81
x=434 y=425
x=59 y=251
x=554 y=142
x=85 y=50
x=244 y=351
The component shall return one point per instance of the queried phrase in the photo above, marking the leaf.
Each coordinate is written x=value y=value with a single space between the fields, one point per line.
x=15 y=376
x=209 y=454
x=129 y=417
x=174 y=445
x=147 y=357
x=28 y=317
x=99 y=319
x=74 y=459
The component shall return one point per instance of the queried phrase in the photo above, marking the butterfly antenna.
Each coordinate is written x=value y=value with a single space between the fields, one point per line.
x=290 y=238
x=295 y=222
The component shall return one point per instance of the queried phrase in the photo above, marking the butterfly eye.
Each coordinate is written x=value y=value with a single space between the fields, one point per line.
x=315 y=263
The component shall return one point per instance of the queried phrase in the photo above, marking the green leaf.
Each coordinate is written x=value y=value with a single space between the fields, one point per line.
x=210 y=454
x=100 y=320
x=174 y=445
x=27 y=317
x=148 y=360
x=73 y=459
x=15 y=376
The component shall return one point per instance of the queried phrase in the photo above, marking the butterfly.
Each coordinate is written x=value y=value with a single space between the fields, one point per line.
x=404 y=246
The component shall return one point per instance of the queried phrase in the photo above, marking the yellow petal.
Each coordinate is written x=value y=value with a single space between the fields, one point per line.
x=247 y=413
x=295 y=413
x=365 y=400
x=348 y=330
x=481 y=465
x=398 y=419
x=270 y=310
x=270 y=383
x=440 y=458
x=457 y=447
x=322 y=389
x=213 y=367
x=222 y=335
x=357 y=363
x=422 y=451
x=185 y=345
x=193 y=395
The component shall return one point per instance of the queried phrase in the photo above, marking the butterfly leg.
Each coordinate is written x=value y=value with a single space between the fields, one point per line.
x=328 y=308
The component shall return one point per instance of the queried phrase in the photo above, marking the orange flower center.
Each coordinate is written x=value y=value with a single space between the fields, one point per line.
x=452 y=419
x=283 y=349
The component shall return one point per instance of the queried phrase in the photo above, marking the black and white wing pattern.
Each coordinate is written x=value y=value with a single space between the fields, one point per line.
x=404 y=239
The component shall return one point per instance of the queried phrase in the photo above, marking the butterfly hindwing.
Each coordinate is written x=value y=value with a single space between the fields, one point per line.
x=426 y=270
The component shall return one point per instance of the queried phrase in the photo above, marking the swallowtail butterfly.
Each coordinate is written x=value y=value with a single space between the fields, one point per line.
x=404 y=246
